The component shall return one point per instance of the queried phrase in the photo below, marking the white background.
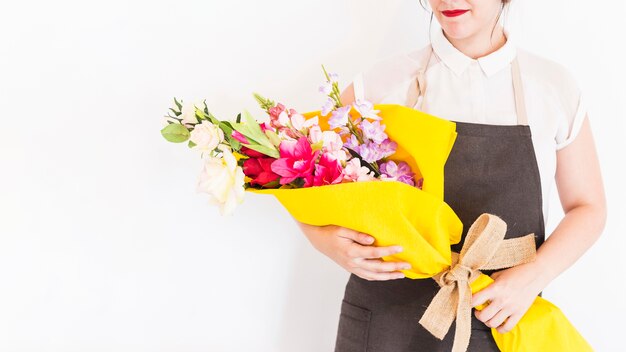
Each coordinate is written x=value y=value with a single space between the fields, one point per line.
x=104 y=244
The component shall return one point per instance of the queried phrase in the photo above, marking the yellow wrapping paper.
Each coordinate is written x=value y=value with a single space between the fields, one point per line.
x=420 y=221
x=544 y=327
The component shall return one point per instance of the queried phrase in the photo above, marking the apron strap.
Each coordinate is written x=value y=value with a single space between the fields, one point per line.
x=518 y=90
x=417 y=89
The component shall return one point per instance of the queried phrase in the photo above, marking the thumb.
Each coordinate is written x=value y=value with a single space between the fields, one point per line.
x=361 y=237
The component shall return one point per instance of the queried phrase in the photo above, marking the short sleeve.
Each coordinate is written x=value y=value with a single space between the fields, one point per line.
x=573 y=109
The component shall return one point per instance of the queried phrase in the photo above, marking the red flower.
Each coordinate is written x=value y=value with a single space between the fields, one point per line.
x=259 y=169
x=251 y=153
x=297 y=159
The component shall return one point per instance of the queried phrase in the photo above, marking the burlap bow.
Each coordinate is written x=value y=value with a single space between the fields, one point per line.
x=484 y=248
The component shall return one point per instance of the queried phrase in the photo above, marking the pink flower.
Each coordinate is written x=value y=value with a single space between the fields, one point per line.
x=275 y=112
x=297 y=159
x=239 y=137
x=355 y=172
x=265 y=127
x=327 y=171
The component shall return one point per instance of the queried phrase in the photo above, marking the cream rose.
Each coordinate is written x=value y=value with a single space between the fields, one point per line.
x=222 y=179
x=206 y=136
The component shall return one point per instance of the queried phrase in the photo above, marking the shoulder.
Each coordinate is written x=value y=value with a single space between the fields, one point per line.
x=548 y=75
x=555 y=94
x=388 y=73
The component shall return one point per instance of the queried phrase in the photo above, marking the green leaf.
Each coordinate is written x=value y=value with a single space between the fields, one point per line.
x=273 y=137
x=191 y=144
x=176 y=113
x=254 y=130
x=265 y=150
x=238 y=120
x=180 y=106
x=175 y=133
x=263 y=102
x=228 y=132
x=272 y=184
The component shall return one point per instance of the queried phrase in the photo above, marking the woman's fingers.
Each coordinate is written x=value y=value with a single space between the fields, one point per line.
x=378 y=265
x=363 y=259
x=356 y=236
x=498 y=319
x=371 y=275
x=358 y=251
x=510 y=323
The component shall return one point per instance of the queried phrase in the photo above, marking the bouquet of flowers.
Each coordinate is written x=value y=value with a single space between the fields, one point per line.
x=289 y=150
x=377 y=169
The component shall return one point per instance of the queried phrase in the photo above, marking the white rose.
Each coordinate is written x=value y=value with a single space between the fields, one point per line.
x=206 y=136
x=222 y=179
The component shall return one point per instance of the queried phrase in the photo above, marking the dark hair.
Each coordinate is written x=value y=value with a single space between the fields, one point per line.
x=504 y=3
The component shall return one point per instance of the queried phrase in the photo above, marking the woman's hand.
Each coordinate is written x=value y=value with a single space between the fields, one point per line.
x=509 y=297
x=353 y=251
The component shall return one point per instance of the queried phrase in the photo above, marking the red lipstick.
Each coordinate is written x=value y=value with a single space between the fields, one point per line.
x=453 y=13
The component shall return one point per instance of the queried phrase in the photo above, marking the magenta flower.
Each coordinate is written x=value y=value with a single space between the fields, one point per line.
x=240 y=137
x=297 y=159
x=327 y=172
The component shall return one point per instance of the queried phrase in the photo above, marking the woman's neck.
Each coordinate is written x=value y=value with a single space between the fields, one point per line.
x=480 y=44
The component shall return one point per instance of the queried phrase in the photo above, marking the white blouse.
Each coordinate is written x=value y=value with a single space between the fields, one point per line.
x=480 y=90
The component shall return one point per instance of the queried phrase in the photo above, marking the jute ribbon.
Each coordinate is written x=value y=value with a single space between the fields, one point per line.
x=484 y=248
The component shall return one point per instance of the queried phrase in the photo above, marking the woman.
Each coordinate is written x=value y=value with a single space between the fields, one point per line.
x=521 y=124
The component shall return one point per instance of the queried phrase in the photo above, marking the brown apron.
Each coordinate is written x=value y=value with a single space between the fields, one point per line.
x=491 y=169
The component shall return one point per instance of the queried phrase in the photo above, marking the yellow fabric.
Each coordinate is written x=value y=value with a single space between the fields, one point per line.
x=420 y=221
x=544 y=327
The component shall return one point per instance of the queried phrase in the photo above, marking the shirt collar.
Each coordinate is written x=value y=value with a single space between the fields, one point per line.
x=458 y=62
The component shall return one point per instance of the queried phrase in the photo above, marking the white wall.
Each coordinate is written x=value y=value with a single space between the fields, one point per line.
x=104 y=244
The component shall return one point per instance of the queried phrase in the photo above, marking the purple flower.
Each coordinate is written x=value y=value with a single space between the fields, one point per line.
x=352 y=143
x=366 y=109
x=388 y=147
x=374 y=131
x=370 y=152
x=326 y=88
x=328 y=107
x=400 y=172
x=339 y=117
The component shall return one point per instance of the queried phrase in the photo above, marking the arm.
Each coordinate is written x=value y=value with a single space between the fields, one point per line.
x=581 y=192
x=579 y=183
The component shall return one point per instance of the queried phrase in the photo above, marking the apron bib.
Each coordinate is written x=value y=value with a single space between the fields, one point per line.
x=491 y=169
